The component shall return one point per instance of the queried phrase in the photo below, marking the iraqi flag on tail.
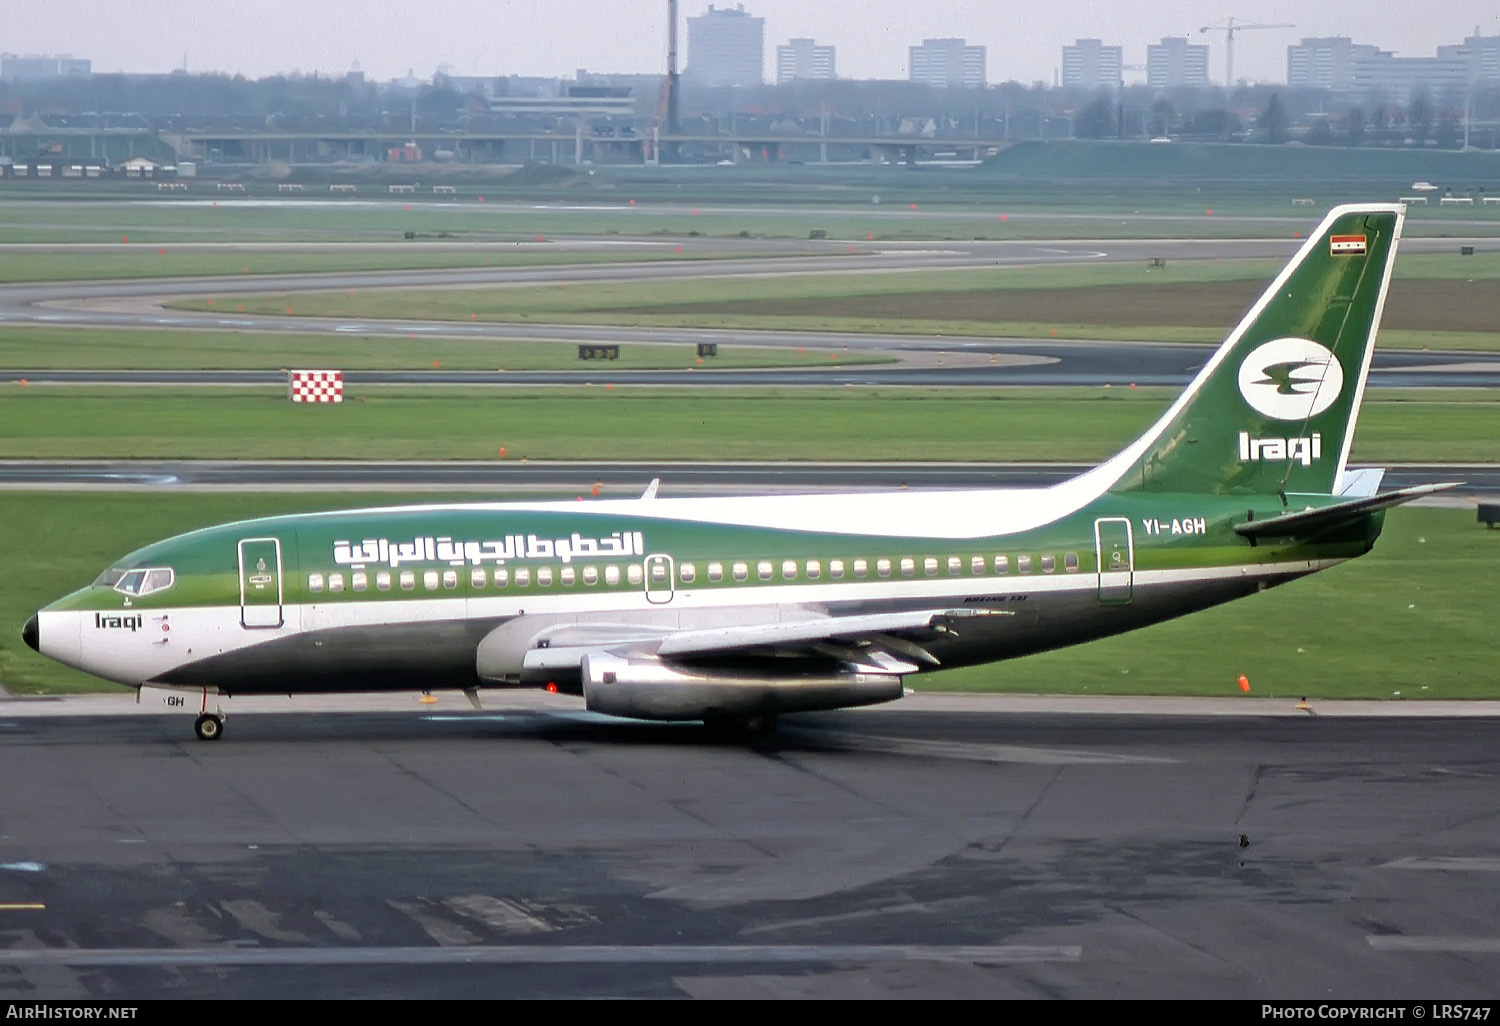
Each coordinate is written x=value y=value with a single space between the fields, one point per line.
x=1346 y=245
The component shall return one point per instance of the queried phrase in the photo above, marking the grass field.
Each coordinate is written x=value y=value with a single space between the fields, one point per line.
x=1416 y=616
x=643 y=423
x=150 y=261
x=849 y=202
x=1438 y=301
x=83 y=348
x=1413 y=619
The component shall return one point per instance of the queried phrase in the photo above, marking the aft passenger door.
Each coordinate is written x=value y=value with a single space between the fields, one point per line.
x=260 y=582
x=1114 y=545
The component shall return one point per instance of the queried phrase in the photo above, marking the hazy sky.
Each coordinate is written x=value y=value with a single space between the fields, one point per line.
x=557 y=37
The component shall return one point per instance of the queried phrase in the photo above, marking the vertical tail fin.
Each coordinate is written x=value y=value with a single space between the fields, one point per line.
x=1274 y=409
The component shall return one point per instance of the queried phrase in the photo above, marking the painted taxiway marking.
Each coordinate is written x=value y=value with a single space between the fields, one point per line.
x=1436 y=945
x=973 y=752
x=549 y=954
x=22 y=906
x=1468 y=864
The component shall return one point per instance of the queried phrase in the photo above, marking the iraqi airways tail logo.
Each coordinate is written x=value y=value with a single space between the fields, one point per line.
x=1290 y=379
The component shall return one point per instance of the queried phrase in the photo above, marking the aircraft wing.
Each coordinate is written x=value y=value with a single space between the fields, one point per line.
x=876 y=642
x=832 y=629
x=1309 y=522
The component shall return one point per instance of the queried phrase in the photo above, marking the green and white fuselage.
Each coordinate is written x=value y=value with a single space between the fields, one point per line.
x=745 y=607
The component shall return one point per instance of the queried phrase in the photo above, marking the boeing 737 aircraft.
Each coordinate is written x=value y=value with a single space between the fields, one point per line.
x=733 y=610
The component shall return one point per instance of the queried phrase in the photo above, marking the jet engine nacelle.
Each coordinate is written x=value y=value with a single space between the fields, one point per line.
x=646 y=688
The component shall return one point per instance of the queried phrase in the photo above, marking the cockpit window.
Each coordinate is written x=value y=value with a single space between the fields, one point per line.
x=141 y=582
x=109 y=578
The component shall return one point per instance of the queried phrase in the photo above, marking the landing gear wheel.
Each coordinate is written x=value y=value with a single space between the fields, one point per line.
x=209 y=727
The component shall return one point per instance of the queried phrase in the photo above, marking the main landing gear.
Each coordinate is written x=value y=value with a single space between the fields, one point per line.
x=209 y=727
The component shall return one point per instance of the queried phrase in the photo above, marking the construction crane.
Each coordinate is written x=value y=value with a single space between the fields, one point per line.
x=1229 y=28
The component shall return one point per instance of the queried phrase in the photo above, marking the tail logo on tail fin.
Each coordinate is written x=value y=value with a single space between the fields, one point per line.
x=1290 y=379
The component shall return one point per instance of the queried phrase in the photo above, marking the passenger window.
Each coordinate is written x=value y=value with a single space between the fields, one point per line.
x=835 y=568
x=477 y=578
x=633 y=573
x=568 y=575
x=741 y=571
x=716 y=571
x=763 y=569
x=1002 y=564
x=591 y=575
x=1023 y=564
x=430 y=580
x=976 y=566
x=883 y=567
x=1049 y=564
x=908 y=566
x=611 y=575
x=409 y=580
x=687 y=572
x=314 y=582
x=814 y=568
x=789 y=570
x=502 y=577
x=523 y=576
x=929 y=566
x=659 y=571
x=359 y=580
x=955 y=565
x=383 y=581
x=861 y=568
x=335 y=582
x=544 y=577
x=450 y=578
x=1070 y=562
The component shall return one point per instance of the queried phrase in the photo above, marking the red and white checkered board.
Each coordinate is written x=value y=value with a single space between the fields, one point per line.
x=315 y=386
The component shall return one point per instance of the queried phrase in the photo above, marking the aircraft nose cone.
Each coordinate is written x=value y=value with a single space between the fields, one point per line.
x=30 y=633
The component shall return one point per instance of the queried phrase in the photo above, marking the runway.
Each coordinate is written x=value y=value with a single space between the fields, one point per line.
x=959 y=361
x=615 y=480
x=942 y=846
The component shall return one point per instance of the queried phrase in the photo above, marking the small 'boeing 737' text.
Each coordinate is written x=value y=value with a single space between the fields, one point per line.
x=733 y=610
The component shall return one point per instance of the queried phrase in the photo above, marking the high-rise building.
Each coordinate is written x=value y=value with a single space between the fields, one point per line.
x=1401 y=76
x=804 y=59
x=947 y=62
x=1089 y=64
x=1176 y=62
x=726 y=48
x=1481 y=53
x=1326 y=61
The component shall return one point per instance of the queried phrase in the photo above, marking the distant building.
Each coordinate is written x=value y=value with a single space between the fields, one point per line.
x=726 y=48
x=1326 y=62
x=1089 y=64
x=946 y=62
x=1481 y=53
x=804 y=59
x=34 y=66
x=1400 y=76
x=1176 y=62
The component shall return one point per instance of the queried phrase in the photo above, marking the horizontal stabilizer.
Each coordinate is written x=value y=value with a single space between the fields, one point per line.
x=1308 y=522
